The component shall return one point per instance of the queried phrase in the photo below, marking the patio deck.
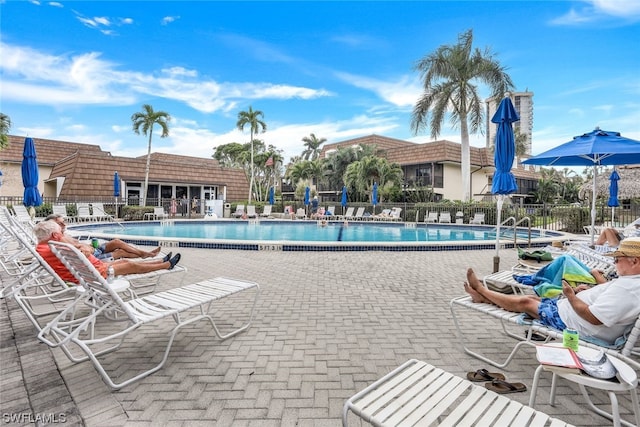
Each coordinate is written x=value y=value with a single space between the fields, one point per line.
x=327 y=324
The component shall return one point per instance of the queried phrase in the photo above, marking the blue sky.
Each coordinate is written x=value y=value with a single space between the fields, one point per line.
x=78 y=70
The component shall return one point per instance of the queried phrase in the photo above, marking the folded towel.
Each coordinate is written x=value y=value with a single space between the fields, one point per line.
x=547 y=282
x=538 y=255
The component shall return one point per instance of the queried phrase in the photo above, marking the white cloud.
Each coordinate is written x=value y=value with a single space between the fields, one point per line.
x=55 y=4
x=600 y=10
x=402 y=92
x=35 y=77
x=169 y=19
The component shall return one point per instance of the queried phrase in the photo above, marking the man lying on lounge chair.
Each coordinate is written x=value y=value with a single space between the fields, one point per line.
x=115 y=248
x=604 y=311
x=613 y=237
x=50 y=230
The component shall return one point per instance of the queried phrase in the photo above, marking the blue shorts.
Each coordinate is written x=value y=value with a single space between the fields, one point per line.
x=548 y=313
x=101 y=252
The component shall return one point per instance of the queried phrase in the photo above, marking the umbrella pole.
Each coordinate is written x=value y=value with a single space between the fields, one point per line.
x=593 y=205
x=496 y=258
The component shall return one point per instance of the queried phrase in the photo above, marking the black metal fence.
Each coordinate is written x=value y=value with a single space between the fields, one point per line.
x=570 y=218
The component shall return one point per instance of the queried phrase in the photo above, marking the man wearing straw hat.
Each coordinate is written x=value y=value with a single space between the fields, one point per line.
x=604 y=311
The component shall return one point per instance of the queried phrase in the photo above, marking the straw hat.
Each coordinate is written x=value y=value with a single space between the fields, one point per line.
x=628 y=247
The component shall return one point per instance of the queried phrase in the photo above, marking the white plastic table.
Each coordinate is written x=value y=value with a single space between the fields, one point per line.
x=628 y=382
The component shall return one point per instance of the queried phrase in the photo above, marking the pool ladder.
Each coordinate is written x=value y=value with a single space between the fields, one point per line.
x=515 y=226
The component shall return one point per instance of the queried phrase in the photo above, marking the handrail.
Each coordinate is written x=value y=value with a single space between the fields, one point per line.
x=515 y=226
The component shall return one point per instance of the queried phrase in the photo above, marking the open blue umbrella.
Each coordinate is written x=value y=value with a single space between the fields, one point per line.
x=30 y=174
x=343 y=201
x=504 y=152
x=116 y=189
x=613 y=202
x=597 y=148
x=272 y=196
x=374 y=197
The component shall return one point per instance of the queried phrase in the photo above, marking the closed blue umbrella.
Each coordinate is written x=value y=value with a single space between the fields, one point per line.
x=613 y=202
x=343 y=201
x=272 y=196
x=307 y=197
x=374 y=197
x=116 y=189
x=30 y=174
x=504 y=152
x=597 y=148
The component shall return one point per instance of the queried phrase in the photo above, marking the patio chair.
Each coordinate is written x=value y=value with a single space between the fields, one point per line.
x=623 y=348
x=59 y=209
x=417 y=393
x=84 y=213
x=358 y=215
x=348 y=214
x=478 y=218
x=331 y=213
x=157 y=214
x=445 y=217
x=431 y=217
x=22 y=214
x=395 y=214
x=266 y=211
x=251 y=211
x=383 y=216
x=301 y=213
x=239 y=211
x=98 y=213
x=124 y=317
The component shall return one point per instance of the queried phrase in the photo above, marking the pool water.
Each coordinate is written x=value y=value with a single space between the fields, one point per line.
x=310 y=231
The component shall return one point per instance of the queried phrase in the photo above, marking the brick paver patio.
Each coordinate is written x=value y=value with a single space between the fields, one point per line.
x=327 y=324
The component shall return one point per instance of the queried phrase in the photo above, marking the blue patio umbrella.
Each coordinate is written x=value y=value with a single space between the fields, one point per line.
x=1 y=178
x=374 y=197
x=597 y=148
x=504 y=152
x=30 y=174
x=116 y=189
x=613 y=202
x=343 y=201
x=272 y=196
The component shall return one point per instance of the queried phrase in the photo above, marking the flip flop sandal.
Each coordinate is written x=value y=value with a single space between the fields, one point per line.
x=482 y=375
x=503 y=387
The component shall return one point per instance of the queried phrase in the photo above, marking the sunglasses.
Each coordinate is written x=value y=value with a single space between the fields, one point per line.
x=617 y=258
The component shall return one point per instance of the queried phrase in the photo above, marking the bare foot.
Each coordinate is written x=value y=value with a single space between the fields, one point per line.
x=155 y=252
x=475 y=296
x=472 y=279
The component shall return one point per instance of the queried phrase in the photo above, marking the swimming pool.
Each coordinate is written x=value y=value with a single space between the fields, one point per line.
x=311 y=235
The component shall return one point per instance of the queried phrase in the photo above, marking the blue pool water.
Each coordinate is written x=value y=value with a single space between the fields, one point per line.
x=308 y=231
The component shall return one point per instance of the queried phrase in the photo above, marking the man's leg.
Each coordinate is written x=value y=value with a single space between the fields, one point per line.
x=125 y=266
x=515 y=303
x=125 y=250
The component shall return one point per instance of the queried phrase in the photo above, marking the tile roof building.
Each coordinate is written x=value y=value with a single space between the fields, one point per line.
x=75 y=172
x=437 y=164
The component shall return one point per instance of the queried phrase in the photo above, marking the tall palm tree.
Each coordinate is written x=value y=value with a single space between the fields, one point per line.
x=312 y=144
x=450 y=76
x=256 y=125
x=5 y=125
x=144 y=121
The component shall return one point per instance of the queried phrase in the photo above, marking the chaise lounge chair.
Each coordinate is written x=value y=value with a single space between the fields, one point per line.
x=432 y=217
x=478 y=218
x=266 y=211
x=124 y=317
x=239 y=211
x=417 y=393
x=251 y=211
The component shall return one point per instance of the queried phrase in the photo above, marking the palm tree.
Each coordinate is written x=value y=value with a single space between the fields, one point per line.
x=144 y=121
x=256 y=125
x=312 y=144
x=5 y=125
x=450 y=76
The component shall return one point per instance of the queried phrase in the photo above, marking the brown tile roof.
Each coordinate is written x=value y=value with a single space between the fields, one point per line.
x=381 y=142
x=49 y=151
x=88 y=171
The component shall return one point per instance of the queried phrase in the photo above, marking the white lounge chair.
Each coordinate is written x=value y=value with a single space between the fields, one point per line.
x=58 y=209
x=301 y=213
x=478 y=218
x=99 y=214
x=124 y=317
x=445 y=217
x=330 y=213
x=22 y=214
x=251 y=211
x=348 y=214
x=417 y=393
x=84 y=213
x=239 y=211
x=157 y=214
x=266 y=211
x=395 y=214
x=359 y=214
x=431 y=217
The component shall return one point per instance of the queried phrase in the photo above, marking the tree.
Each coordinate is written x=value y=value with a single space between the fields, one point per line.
x=145 y=121
x=450 y=76
x=312 y=144
x=5 y=125
x=256 y=125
